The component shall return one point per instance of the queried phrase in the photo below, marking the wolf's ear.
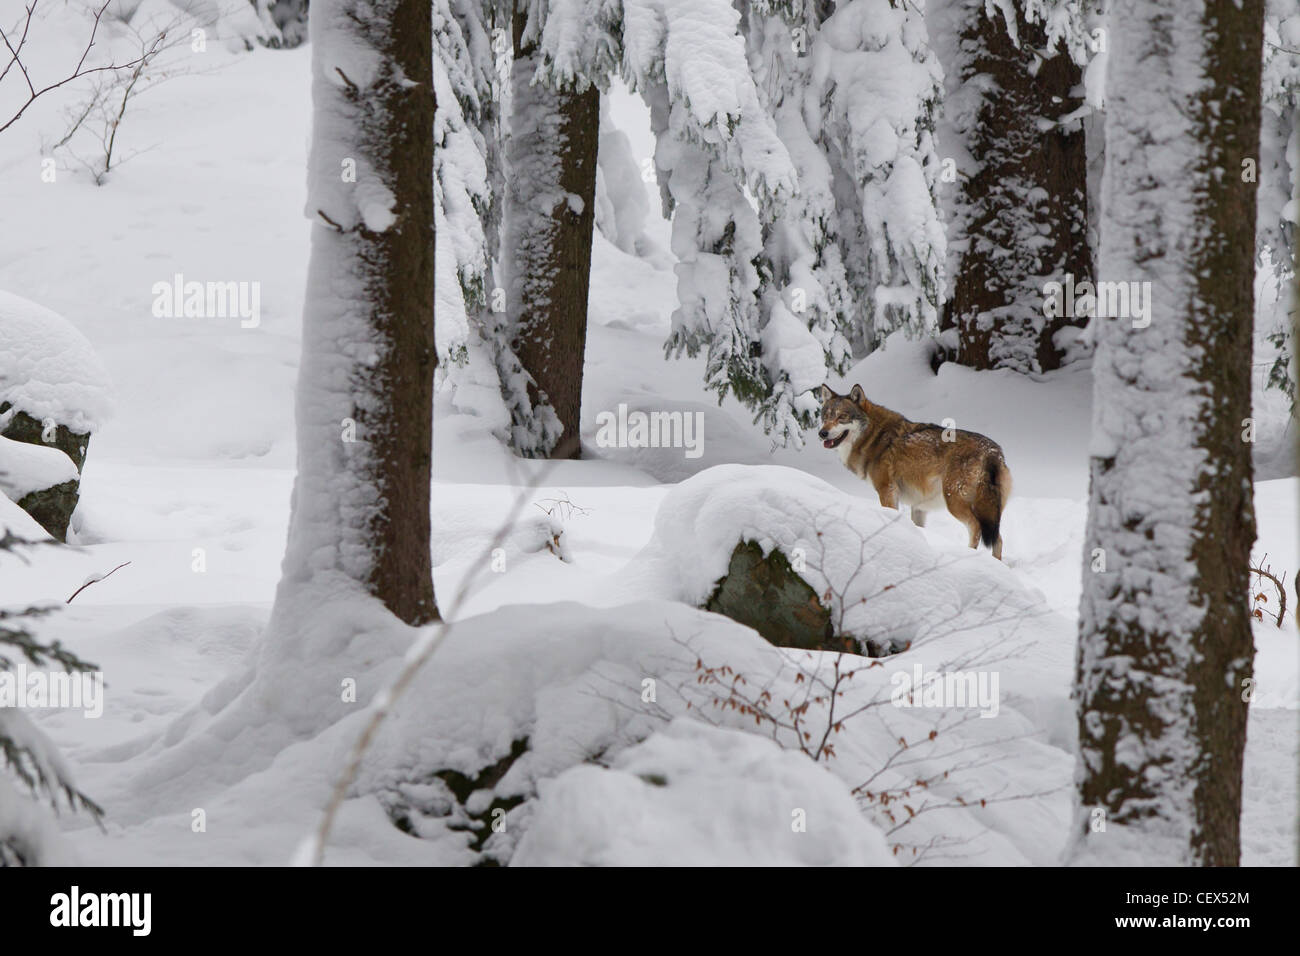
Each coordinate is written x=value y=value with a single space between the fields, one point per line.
x=823 y=393
x=856 y=395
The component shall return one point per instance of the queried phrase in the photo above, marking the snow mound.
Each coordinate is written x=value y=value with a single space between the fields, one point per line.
x=765 y=807
x=876 y=571
x=503 y=730
x=25 y=468
x=48 y=368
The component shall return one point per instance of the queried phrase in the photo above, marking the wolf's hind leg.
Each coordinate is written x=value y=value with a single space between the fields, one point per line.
x=960 y=509
x=888 y=493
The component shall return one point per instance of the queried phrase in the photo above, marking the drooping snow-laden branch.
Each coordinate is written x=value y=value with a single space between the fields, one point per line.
x=16 y=59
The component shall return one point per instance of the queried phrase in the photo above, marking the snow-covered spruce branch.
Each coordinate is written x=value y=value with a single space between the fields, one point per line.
x=312 y=851
x=15 y=50
x=25 y=752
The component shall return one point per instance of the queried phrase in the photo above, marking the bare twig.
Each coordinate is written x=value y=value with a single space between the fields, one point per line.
x=96 y=581
x=1266 y=573
x=80 y=70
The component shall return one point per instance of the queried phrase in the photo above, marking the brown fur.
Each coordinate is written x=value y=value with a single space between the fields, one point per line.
x=911 y=463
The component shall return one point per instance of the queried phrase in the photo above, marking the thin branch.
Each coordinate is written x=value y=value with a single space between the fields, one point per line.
x=96 y=581
x=78 y=71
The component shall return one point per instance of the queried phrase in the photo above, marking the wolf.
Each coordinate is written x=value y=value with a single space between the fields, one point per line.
x=924 y=466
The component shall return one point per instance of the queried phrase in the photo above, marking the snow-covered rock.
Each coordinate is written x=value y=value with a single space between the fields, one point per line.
x=25 y=468
x=875 y=570
x=54 y=392
x=48 y=368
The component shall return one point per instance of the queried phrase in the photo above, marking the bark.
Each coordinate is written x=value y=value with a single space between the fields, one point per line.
x=360 y=515
x=1165 y=647
x=549 y=218
x=1024 y=211
x=400 y=261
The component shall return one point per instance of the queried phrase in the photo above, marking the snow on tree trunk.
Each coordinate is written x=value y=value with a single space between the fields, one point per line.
x=549 y=216
x=1020 y=216
x=1165 y=648
x=360 y=512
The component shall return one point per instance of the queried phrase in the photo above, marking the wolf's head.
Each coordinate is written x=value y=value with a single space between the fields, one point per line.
x=842 y=416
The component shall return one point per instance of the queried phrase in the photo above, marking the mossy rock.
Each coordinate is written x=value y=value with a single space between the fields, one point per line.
x=52 y=507
x=767 y=594
x=25 y=428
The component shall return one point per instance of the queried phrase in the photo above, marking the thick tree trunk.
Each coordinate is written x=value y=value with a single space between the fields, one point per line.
x=549 y=217
x=360 y=516
x=1165 y=649
x=1022 y=214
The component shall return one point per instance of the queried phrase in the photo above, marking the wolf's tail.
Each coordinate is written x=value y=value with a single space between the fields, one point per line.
x=991 y=497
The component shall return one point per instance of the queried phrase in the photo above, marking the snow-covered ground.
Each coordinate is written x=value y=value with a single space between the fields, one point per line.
x=190 y=479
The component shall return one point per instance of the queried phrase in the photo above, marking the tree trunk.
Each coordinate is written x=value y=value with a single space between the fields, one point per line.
x=549 y=216
x=360 y=515
x=1165 y=652
x=1023 y=211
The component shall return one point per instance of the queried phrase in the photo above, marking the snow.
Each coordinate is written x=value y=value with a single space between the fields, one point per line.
x=25 y=468
x=621 y=201
x=645 y=809
x=885 y=583
x=48 y=368
x=18 y=523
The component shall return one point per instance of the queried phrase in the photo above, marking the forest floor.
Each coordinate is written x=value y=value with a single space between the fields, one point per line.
x=200 y=453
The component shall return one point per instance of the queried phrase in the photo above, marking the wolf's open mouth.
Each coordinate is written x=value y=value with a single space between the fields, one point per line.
x=832 y=442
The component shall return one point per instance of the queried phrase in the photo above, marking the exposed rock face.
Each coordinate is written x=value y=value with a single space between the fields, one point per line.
x=766 y=593
x=52 y=508
x=23 y=427
x=54 y=391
